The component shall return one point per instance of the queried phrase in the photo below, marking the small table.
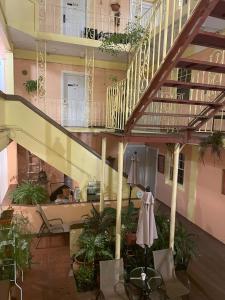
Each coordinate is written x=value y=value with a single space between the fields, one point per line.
x=152 y=282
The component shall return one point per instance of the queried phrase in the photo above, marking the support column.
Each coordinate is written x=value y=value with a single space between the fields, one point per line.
x=174 y=194
x=103 y=174
x=119 y=199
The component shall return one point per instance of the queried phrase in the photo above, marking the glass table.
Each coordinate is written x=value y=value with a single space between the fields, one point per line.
x=145 y=279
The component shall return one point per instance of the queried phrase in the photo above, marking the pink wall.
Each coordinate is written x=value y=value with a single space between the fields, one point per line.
x=209 y=203
x=54 y=82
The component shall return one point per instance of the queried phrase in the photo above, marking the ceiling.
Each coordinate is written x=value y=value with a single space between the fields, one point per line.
x=25 y=41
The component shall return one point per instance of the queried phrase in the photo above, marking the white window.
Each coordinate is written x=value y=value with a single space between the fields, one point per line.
x=180 y=177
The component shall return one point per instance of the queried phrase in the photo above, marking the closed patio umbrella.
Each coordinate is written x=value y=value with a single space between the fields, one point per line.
x=146 y=230
x=133 y=176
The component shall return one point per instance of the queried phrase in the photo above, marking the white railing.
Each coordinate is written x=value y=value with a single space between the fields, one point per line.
x=73 y=113
x=167 y=19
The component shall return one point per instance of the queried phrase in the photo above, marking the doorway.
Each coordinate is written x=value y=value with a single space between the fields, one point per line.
x=74 y=17
x=147 y=164
x=74 y=106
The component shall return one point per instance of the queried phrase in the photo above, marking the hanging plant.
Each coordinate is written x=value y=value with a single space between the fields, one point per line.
x=30 y=86
x=215 y=142
x=117 y=42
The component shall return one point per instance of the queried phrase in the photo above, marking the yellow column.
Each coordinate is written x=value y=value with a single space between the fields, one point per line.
x=174 y=194
x=103 y=174
x=119 y=200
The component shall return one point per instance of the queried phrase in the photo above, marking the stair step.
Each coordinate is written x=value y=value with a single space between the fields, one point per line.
x=209 y=39
x=187 y=102
x=174 y=115
x=193 y=85
x=219 y=11
x=200 y=65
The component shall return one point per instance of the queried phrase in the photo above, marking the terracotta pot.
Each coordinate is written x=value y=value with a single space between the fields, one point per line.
x=131 y=238
x=115 y=6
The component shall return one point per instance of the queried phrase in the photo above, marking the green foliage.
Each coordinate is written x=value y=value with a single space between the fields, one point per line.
x=30 y=86
x=17 y=233
x=100 y=222
x=28 y=193
x=85 y=278
x=94 y=247
x=184 y=245
x=118 y=42
x=215 y=141
x=129 y=218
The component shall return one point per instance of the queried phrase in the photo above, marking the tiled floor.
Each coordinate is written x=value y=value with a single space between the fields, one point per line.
x=48 y=278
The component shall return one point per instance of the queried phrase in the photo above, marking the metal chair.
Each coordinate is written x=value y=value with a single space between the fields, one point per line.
x=164 y=264
x=50 y=226
x=111 y=280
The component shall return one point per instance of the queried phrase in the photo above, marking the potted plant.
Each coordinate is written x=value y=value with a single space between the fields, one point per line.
x=118 y=42
x=115 y=6
x=129 y=221
x=184 y=247
x=85 y=279
x=29 y=193
x=93 y=248
x=18 y=232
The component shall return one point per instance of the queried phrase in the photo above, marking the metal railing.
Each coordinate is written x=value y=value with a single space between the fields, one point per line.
x=166 y=21
x=73 y=113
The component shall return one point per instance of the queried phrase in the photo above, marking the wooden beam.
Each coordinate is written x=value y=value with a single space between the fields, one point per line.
x=210 y=39
x=193 y=85
x=200 y=65
x=173 y=115
x=187 y=102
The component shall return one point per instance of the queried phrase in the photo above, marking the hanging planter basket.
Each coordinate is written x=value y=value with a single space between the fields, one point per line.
x=115 y=7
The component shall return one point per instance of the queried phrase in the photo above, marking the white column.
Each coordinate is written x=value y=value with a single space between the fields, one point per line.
x=103 y=174
x=174 y=194
x=119 y=199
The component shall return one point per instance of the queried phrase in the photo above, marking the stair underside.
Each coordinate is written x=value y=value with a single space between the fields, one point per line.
x=160 y=114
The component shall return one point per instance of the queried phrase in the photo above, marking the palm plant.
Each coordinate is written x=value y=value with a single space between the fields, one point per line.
x=184 y=247
x=93 y=247
x=215 y=141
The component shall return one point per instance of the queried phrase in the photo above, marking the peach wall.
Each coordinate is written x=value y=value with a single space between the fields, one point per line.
x=69 y=213
x=210 y=202
x=12 y=163
x=203 y=196
x=54 y=82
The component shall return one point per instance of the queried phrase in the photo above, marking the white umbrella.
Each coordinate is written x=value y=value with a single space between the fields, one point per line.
x=133 y=176
x=146 y=230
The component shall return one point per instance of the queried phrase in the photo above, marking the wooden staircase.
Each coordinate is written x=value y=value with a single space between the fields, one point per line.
x=192 y=34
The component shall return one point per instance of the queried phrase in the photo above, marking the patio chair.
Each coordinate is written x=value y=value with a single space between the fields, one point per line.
x=111 y=280
x=164 y=264
x=50 y=226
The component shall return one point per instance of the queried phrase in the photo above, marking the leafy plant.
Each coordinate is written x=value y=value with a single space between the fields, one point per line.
x=28 y=193
x=215 y=141
x=184 y=246
x=30 y=86
x=93 y=247
x=129 y=218
x=118 y=42
x=18 y=233
x=100 y=222
x=85 y=278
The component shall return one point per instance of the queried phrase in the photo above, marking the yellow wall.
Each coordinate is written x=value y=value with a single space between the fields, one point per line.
x=57 y=149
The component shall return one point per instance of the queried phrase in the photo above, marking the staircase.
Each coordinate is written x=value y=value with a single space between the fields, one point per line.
x=153 y=97
x=52 y=143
